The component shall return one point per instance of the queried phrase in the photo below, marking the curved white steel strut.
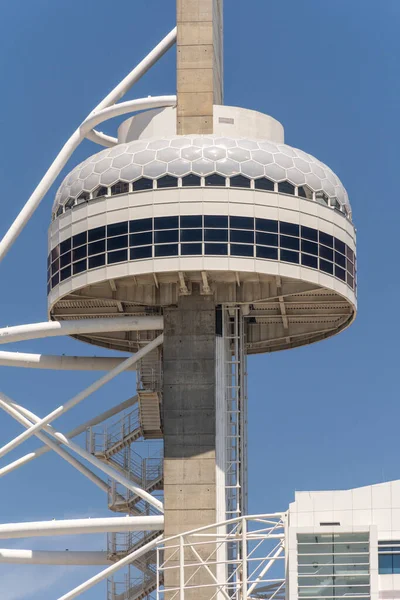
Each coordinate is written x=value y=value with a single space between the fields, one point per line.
x=76 y=138
x=60 y=363
x=54 y=557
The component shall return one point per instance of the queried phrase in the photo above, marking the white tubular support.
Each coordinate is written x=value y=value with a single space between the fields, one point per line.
x=76 y=138
x=40 y=557
x=71 y=434
x=54 y=446
x=60 y=363
x=110 y=570
x=80 y=526
x=17 y=412
x=98 y=137
x=34 y=331
x=81 y=396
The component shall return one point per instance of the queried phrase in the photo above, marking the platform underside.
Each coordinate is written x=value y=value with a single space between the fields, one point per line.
x=281 y=312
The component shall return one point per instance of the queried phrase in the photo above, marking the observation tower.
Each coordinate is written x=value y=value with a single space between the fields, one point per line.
x=194 y=238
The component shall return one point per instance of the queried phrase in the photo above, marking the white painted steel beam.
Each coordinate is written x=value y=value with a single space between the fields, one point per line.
x=55 y=557
x=81 y=396
x=17 y=412
x=80 y=526
x=34 y=331
x=71 y=434
x=76 y=138
x=60 y=363
x=110 y=570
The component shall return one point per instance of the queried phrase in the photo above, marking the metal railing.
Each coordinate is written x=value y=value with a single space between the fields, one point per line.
x=131 y=586
x=193 y=564
x=100 y=441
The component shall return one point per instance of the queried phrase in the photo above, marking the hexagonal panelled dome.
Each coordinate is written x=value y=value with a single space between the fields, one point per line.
x=250 y=220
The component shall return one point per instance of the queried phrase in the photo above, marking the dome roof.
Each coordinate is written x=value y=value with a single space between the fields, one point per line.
x=202 y=155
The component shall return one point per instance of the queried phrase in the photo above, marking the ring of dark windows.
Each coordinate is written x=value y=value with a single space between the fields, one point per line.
x=213 y=180
x=194 y=235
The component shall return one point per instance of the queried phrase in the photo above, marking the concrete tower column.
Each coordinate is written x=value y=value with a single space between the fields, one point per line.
x=199 y=64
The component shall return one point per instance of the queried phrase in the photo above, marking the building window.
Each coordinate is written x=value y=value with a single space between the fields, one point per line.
x=305 y=192
x=121 y=187
x=168 y=181
x=240 y=181
x=142 y=184
x=191 y=181
x=215 y=180
x=264 y=184
x=100 y=192
x=284 y=187
x=389 y=558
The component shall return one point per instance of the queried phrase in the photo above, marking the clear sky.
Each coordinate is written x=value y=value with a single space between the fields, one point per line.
x=320 y=417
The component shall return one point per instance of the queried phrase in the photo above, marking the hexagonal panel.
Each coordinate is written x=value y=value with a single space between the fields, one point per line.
x=69 y=180
x=179 y=167
x=328 y=187
x=64 y=194
x=168 y=154
x=131 y=172
x=313 y=181
x=251 y=168
x=248 y=144
x=268 y=146
x=226 y=166
x=214 y=153
x=318 y=171
x=137 y=146
x=102 y=165
x=109 y=177
x=144 y=157
x=180 y=142
x=203 y=166
x=158 y=144
x=98 y=157
x=331 y=177
x=305 y=156
x=86 y=171
x=302 y=165
x=225 y=142
x=202 y=141
x=262 y=156
x=275 y=172
x=283 y=161
x=122 y=161
x=295 y=176
x=76 y=187
x=91 y=182
x=155 y=169
x=287 y=150
x=239 y=154
x=191 y=153
x=117 y=150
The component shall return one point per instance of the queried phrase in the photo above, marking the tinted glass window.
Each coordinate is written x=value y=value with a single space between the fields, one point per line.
x=215 y=221
x=309 y=234
x=289 y=228
x=264 y=252
x=264 y=184
x=120 y=188
x=350 y=266
x=141 y=239
x=326 y=239
x=79 y=253
x=166 y=223
x=65 y=273
x=350 y=280
x=266 y=225
x=305 y=192
x=166 y=250
x=339 y=245
x=216 y=235
x=326 y=253
x=350 y=253
x=142 y=252
x=97 y=261
x=167 y=181
x=340 y=259
x=289 y=242
x=65 y=259
x=215 y=180
x=191 y=235
x=97 y=247
x=242 y=250
x=55 y=279
x=240 y=181
x=117 y=242
x=142 y=184
x=267 y=239
x=55 y=266
x=191 y=249
x=141 y=225
x=326 y=266
x=79 y=239
x=341 y=273
x=191 y=180
x=284 y=187
x=117 y=256
x=192 y=221
x=242 y=222
x=289 y=256
x=216 y=249
x=79 y=267
x=96 y=234
x=169 y=235
x=310 y=247
x=117 y=229
x=100 y=191
x=66 y=245
x=309 y=261
x=246 y=237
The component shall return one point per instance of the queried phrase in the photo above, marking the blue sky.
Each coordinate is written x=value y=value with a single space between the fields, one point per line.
x=320 y=417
